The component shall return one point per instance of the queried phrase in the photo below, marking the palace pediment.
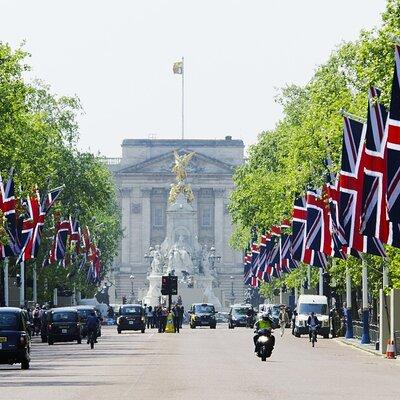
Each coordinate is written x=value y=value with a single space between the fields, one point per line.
x=162 y=164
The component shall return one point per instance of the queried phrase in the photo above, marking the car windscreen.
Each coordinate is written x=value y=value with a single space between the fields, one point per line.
x=84 y=313
x=64 y=316
x=134 y=310
x=204 y=309
x=308 y=308
x=239 y=311
x=8 y=321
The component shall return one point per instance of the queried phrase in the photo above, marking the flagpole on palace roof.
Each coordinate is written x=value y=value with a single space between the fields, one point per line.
x=183 y=99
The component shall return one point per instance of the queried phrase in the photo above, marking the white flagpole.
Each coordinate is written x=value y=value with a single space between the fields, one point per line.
x=22 y=287
x=34 y=288
x=183 y=99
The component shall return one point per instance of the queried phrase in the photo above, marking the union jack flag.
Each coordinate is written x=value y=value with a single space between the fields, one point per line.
x=299 y=250
x=32 y=228
x=247 y=276
x=8 y=208
x=393 y=147
x=50 y=198
x=58 y=248
x=337 y=233
x=374 y=215
x=94 y=271
x=75 y=235
x=351 y=184
x=287 y=262
x=263 y=272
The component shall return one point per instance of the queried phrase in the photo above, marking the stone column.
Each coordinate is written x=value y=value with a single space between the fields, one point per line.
x=146 y=222
x=126 y=219
x=219 y=222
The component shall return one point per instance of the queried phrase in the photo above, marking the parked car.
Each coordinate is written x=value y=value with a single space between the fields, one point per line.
x=131 y=318
x=202 y=314
x=15 y=341
x=307 y=304
x=84 y=312
x=63 y=326
x=238 y=315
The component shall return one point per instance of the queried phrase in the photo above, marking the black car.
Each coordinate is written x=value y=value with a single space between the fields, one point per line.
x=63 y=326
x=202 y=315
x=14 y=337
x=131 y=318
x=238 y=315
x=84 y=312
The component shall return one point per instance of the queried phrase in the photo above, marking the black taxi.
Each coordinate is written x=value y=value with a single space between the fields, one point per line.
x=63 y=325
x=131 y=317
x=202 y=314
x=15 y=342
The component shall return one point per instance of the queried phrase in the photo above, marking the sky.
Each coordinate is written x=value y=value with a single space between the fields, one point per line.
x=117 y=57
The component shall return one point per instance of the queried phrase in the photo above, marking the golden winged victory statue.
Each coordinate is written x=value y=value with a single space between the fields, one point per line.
x=179 y=169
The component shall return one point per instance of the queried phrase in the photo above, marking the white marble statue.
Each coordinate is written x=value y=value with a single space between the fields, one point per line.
x=158 y=261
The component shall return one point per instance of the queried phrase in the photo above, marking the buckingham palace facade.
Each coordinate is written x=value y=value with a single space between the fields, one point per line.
x=143 y=177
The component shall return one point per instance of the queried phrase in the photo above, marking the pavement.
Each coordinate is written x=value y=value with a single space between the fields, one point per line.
x=199 y=364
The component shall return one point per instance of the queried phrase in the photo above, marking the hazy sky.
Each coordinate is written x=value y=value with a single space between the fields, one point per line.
x=117 y=57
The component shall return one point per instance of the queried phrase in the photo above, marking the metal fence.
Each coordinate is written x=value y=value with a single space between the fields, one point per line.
x=373 y=331
x=397 y=342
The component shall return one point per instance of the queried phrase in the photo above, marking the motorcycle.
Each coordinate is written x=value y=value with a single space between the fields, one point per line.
x=265 y=344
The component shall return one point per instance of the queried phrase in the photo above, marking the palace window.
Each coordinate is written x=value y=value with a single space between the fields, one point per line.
x=206 y=217
x=158 y=216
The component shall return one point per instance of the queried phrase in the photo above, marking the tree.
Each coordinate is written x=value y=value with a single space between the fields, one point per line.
x=38 y=136
x=290 y=158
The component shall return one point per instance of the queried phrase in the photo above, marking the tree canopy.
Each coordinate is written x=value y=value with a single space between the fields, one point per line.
x=38 y=137
x=289 y=158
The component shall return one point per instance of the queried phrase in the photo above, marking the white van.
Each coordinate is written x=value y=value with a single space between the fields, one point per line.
x=307 y=304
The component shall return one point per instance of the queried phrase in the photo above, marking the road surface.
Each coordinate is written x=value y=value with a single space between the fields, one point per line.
x=199 y=364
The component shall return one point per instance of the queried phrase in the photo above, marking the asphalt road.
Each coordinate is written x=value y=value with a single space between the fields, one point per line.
x=199 y=364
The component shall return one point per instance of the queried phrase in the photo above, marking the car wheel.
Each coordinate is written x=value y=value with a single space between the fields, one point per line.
x=230 y=326
x=326 y=336
x=192 y=326
x=25 y=364
x=143 y=330
x=213 y=326
x=119 y=331
x=79 y=341
x=51 y=342
x=44 y=340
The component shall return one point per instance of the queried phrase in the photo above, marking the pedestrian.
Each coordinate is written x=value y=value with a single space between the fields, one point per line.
x=175 y=315
x=181 y=314
x=149 y=314
x=158 y=318
x=163 y=319
x=283 y=319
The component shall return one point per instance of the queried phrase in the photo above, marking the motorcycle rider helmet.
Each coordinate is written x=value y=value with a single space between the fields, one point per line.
x=265 y=317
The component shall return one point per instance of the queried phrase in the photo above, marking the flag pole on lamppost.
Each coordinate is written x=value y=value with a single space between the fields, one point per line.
x=179 y=69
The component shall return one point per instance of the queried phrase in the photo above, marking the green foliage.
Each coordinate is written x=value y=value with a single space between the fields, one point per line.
x=289 y=158
x=38 y=136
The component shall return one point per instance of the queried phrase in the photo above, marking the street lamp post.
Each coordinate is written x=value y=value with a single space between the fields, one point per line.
x=132 y=277
x=232 y=292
